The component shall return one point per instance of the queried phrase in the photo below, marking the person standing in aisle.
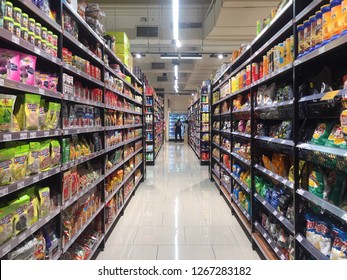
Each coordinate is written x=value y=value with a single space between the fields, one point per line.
x=178 y=130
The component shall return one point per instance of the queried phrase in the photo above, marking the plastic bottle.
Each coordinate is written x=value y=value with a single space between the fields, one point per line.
x=318 y=32
x=326 y=24
x=300 y=29
x=336 y=18
x=344 y=16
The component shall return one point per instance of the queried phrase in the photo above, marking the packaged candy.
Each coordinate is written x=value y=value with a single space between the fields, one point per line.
x=20 y=162
x=6 y=165
x=317 y=182
x=27 y=66
x=20 y=218
x=55 y=153
x=6 y=223
x=45 y=156
x=45 y=202
x=9 y=64
x=31 y=110
x=7 y=103
x=33 y=205
x=34 y=158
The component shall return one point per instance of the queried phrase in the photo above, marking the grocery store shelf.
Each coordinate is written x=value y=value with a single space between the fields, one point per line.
x=132 y=140
x=310 y=248
x=323 y=149
x=225 y=131
x=216 y=145
x=78 y=72
x=240 y=158
x=282 y=219
x=309 y=10
x=96 y=247
x=224 y=149
x=216 y=173
x=82 y=192
x=123 y=110
x=82 y=101
x=225 y=168
x=71 y=131
x=263 y=246
x=215 y=158
x=109 y=149
x=270 y=241
x=124 y=95
x=242 y=134
x=81 y=160
x=222 y=99
x=15 y=241
x=322 y=50
x=8 y=36
x=23 y=135
x=274 y=74
x=225 y=113
x=244 y=212
x=275 y=140
x=242 y=90
x=274 y=105
x=325 y=205
x=4 y=190
x=274 y=176
x=225 y=192
x=240 y=183
x=79 y=232
x=6 y=83
x=313 y=97
x=240 y=111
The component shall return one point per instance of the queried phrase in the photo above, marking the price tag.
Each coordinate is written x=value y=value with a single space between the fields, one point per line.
x=281 y=218
x=276 y=250
x=36 y=178
x=15 y=39
x=23 y=135
x=54 y=59
x=283 y=257
x=47 y=219
x=344 y=217
x=56 y=132
x=3 y=191
x=44 y=175
x=37 y=51
x=277 y=177
x=321 y=50
x=2 y=82
x=33 y=228
x=20 y=185
x=300 y=191
x=269 y=240
x=46 y=133
x=330 y=95
x=7 y=137
x=22 y=237
x=32 y=134
x=78 y=131
x=41 y=91
x=299 y=238
x=275 y=213
x=264 y=202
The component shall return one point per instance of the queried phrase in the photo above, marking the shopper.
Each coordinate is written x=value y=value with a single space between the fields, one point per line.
x=178 y=130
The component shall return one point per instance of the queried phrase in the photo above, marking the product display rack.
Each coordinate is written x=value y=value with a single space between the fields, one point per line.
x=304 y=110
x=129 y=145
x=154 y=112
x=199 y=125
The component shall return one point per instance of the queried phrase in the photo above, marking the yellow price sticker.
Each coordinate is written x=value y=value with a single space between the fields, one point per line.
x=330 y=95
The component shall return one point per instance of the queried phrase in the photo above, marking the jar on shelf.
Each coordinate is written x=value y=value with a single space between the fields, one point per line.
x=55 y=51
x=25 y=20
x=55 y=40
x=9 y=24
x=44 y=33
x=49 y=48
x=25 y=34
x=32 y=23
x=9 y=9
x=319 y=30
x=44 y=45
x=301 y=42
x=336 y=18
x=17 y=29
x=17 y=15
x=326 y=24
x=31 y=37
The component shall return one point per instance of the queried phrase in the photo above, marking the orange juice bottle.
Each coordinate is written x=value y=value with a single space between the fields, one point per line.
x=336 y=18
x=326 y=24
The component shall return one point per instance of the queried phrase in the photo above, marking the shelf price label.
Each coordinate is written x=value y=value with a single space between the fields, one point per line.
x=23 y=135
x=7 y=137
x=330 y=95
x=15 y=39
x=2 y=82
x=299 y=238
x=37 y=51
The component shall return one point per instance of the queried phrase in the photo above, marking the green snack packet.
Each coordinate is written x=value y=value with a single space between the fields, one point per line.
x=20 y=218
x=6 y=111
x=33 y=206
x=66 y=150
x=337 y=182
x=55 y=117
x=31 y=111
x=6 y=223
x=45 y=155
x=321 y=133
x=34 y=158
x=19 y=169
x=42 y=114
x=45 y=202
x=6 y=165
x=317 y=182
x=55 y=153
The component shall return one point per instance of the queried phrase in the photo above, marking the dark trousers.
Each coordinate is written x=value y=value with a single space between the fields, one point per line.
x=179 y=133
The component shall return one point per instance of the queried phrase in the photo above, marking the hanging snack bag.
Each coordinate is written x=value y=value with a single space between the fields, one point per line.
x=6 y=111
x=45 y=202
x=20 y=162
x=34 y=158
x=321 y=133
x=55 y=153
x=20 y=218
x=317 y=182
x=6 y=165
x=45 y=156
x=6 y=223
x=324 y=237
x=31 y=110
x=339 y=249
x=27 y=66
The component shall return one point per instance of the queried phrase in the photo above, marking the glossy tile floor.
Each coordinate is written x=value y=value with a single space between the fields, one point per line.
x=177 y=214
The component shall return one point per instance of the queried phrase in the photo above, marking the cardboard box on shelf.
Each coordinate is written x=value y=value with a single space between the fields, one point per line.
x=120 y=38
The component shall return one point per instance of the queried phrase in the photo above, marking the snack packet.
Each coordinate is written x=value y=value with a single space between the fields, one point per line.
x=42 y=114
x=33 y=206
x=6 y=111
x=324 y=237
x=20 y=218
x=6 y=165
x=20 y=162
x=55 y=153
x=339 y=248
x=6 y=223
x=311 y=235
x=27 y=65
x=337 y=182
x=321 y=133
x=34 y=158
x=31 y=110
x=44 y=196
x=45 y=156
x=317 y=182
x=55 y=117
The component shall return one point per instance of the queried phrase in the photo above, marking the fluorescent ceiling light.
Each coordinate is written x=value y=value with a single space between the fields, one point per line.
x=191 y=56
x=169 y=57
x=138 y=55
x=176 y=72
x=183 y=56
x=175 y=18
x=178 y=43
x=220 y=56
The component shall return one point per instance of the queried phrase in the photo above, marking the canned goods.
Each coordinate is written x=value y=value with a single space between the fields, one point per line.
x=25 y=20
x=9 y=24
x=17 y=15
x=25 y=34
x=307 y=36
x=17 y=29
x=32 y=23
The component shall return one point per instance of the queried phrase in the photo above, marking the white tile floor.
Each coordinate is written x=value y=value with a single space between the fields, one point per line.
x=177 y=214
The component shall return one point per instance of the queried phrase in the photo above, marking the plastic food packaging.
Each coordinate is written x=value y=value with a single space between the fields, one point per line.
x=34 y=158
x=321 y=133
x=32 y=23
x=6 y=165
x=9 y=64
x=55 y=153
x=45 y=156
x=25 y=21
x=44 y=196
x=326 y=24
x=31 y=110
x=27 y=66
x=6 y=111
x=19 y=168
x=336 y=18
x=17 y=15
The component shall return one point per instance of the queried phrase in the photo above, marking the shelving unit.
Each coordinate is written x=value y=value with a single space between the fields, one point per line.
x=129 y=144
x=239 y=140
x=154 y=111
x=199 y=124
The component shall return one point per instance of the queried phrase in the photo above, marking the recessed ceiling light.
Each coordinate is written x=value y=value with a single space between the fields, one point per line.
x=220 y=56
x=138 y=55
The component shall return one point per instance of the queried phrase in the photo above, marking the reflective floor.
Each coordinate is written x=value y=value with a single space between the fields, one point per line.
x=177 y=214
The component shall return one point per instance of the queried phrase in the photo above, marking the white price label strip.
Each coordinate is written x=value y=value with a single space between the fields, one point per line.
x=23 y=135
x=21 y=237
x=7 y=137
x=46 y=133
x=299 y=238
x=32 y=134
x=2 y=82
x=15 y=39
x=20 y=185
x=344 y=217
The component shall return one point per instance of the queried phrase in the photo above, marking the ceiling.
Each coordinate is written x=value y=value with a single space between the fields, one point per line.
x=217 y=26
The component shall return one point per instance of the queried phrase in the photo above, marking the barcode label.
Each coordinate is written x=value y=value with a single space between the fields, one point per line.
x=36 y=178
x=300 y=191
x=15 y=39
x=32 y=134
x=41 y=91
x=275 y=213
x=37 y=51
x=7 y=137
x=23 y=136
x=281 y=218
x=3 y=191
x=276 y=250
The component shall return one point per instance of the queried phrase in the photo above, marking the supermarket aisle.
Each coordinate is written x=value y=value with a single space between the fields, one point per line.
x=177 y=214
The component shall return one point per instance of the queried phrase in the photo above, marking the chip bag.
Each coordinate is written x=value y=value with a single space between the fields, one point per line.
x=34 y=158
x=317 y=182
x=6 y=165
x=42 y=114
x=6 y=111
x=20 y=162
x=45 y=156
x=20 y=218
x=55 y=153
x=321 y=133
x=45 y=202
x=6 y=223
x=31 y=111
x=339 y=248
x=33 y=206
